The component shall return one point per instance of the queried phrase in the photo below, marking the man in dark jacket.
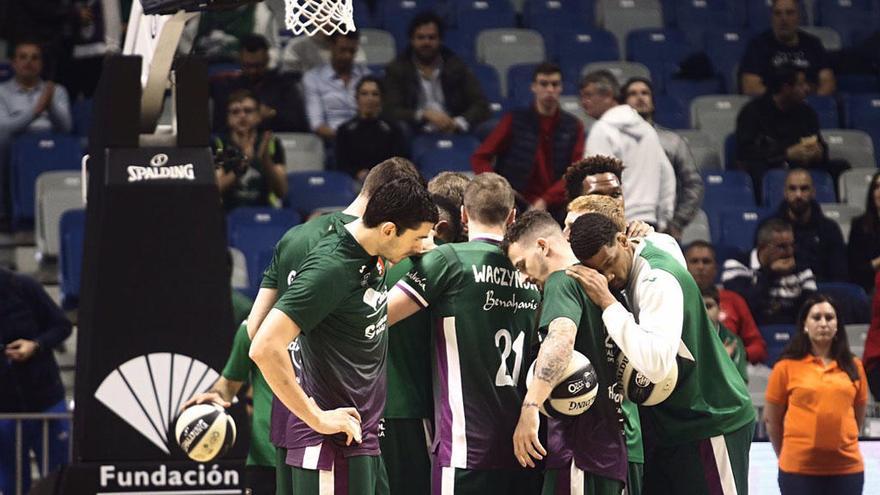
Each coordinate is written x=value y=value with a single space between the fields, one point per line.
x=429 y=88
x=818 y=242
x=780 y=129
x=532 y=147
x=281 y=103
x=31 y=325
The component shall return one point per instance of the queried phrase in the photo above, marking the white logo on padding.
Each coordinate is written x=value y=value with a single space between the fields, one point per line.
x=147 y=391
x=159 y=160
x=159 y=169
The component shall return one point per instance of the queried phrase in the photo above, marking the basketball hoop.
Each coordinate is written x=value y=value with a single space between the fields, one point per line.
x=313 y=16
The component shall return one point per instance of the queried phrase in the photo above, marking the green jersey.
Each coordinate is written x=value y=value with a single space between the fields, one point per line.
x=710 y=397
x=484 y=318
x=240 y=368
x=294 y=245
x=338 y=299
x=289 y=254
x=409 y=360
x=593 y=439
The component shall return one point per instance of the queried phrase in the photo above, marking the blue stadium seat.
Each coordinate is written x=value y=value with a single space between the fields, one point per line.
x=845 y=16
x=519 y=84
x=725 y=48
x=472 y=16
x=396 y=15
x=688 y=89
x=657 y=48
x=223 y=69
x=72 y=235
x=82 y=117
x=863 y=113
x=728 y=179
x=851 y=300
x=776 y=337
x=460 y=45
x=558 y=14
x=826 y=108
x=698 y=18
x=31 y=155
x=255 y=231
x=574 y=49
x=670 y=112
x=773 y=186
x=738 y=226
x=862 y=110
x=308 y=191
x=730 y=151
x=436 y=153
x=488 y=77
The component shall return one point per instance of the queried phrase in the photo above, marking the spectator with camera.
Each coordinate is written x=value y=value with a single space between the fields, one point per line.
x=257 y=176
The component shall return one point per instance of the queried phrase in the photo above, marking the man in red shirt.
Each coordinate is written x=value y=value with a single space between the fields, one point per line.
x=531 y=147
x=735 y=313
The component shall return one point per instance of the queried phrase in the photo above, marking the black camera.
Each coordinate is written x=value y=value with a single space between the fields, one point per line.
x=230 y=160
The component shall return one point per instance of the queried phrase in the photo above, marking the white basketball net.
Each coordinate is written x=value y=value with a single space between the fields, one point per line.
x=313 y=16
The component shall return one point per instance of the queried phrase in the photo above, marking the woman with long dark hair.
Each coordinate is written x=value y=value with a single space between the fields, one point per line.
x=816 y=400
x=864 y=240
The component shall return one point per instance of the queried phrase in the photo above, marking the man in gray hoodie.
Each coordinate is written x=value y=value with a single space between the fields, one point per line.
x=648 y=177
x=638 y=93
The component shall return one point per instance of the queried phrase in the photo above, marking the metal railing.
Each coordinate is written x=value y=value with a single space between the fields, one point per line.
x=19 y=418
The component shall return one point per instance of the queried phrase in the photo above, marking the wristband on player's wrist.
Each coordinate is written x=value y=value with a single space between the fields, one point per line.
x=530 y=404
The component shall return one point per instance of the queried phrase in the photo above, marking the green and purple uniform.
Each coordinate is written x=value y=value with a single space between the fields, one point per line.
x=484 y=318
x=586 y=453
x=338 y=299
x=703 y=429
x=289 y=254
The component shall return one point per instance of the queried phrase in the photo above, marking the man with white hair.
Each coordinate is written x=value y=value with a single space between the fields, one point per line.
x=648 y=177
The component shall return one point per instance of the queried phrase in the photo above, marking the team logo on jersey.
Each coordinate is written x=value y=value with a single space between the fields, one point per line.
x=374 y=298
x=380 y=267
x=291 y=276
x=146 y=392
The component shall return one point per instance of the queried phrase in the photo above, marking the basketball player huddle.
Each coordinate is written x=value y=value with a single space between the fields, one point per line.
x=445 y=343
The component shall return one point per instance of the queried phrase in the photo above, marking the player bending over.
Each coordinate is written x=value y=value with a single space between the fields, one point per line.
x=587 y=453
x=709 y=410
x=336 y=305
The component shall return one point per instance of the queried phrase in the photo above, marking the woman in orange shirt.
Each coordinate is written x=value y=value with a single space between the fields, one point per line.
x=816 y=400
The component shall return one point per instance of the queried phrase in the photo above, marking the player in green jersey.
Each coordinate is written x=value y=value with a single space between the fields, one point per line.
x=587 y=453
x=484 y=318
x=704 y=428
x=336 y=307
x=287 y=258
x=408 y=421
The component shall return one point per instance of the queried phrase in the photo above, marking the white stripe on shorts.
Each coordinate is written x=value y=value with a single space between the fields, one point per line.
x=447 y=481
x=311 y=455
x=722 y=463
x=576 y=480
x=428 y=428
x=327 y=481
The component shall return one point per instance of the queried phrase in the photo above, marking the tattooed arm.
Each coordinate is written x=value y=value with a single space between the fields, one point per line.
x=553 y=358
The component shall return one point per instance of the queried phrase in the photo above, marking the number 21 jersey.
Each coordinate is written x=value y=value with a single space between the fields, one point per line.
x=484 y=319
